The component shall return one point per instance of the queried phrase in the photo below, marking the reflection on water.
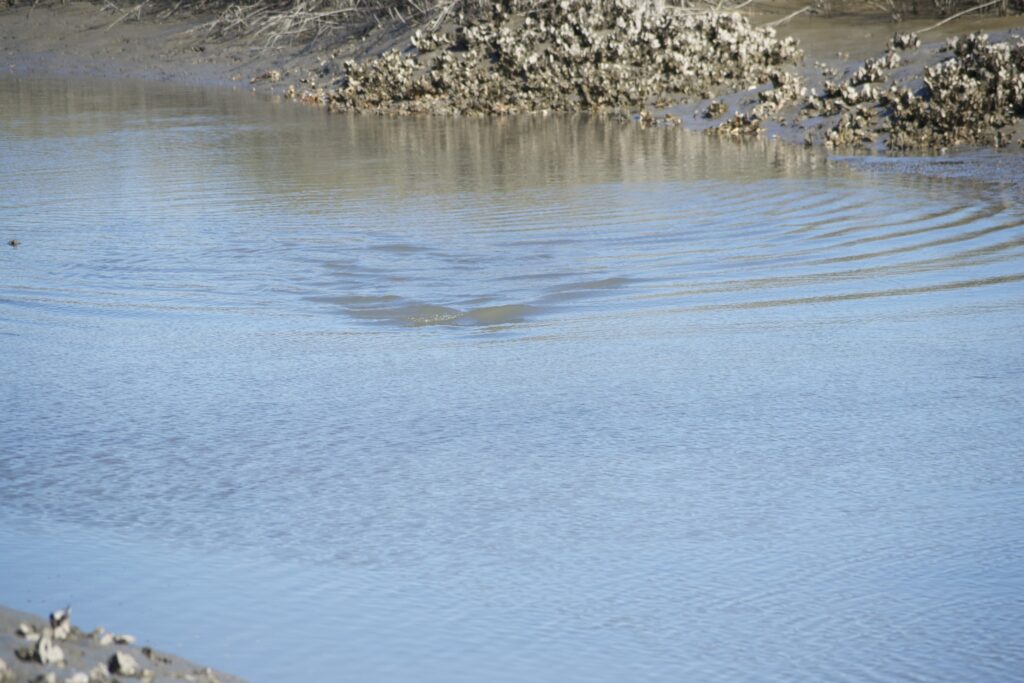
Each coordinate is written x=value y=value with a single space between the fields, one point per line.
x=535 y=399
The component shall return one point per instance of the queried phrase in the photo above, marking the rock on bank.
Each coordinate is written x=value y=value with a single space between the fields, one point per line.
x=37 y=650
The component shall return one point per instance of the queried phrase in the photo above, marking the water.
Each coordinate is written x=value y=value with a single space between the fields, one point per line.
x=313 y=397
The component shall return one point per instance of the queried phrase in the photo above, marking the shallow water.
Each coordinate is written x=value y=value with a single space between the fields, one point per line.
x=312 y=397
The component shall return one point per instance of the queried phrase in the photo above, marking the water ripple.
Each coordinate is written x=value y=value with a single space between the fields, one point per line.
x=531 y=400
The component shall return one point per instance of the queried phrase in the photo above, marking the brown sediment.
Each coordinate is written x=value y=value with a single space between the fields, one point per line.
x=37 y=649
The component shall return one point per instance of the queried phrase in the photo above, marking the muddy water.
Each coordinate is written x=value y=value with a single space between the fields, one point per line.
x=329 y=398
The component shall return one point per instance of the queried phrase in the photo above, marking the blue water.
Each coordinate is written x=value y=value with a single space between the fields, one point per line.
x=310 y=397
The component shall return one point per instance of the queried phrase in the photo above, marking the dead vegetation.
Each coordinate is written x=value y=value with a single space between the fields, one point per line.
x=287 y=21
x=278 y=22
x=284 y=21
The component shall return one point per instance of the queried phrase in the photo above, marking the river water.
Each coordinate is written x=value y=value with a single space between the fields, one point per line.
x=311 y=397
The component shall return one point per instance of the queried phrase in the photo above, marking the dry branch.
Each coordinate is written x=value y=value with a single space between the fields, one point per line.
x=960 y=14
x=789 y=16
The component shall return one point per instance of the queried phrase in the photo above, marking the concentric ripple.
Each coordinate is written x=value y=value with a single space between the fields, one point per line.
x=445 y=223
x=547 y=400
x=672 y=246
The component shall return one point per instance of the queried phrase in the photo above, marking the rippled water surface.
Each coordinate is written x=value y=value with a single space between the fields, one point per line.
x=313 y=397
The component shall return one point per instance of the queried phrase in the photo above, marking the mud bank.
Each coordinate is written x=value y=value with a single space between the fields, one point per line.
x=88 y=40
x=911 y=97
x=624 y=58
x=848 y=83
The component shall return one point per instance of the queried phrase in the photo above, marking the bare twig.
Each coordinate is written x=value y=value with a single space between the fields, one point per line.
x=137 y=10
x=960 y=14
x=442 y=14
x=789 y=16
x=167 y=13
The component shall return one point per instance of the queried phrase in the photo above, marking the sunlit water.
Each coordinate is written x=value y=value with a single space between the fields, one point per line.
x=327 y=398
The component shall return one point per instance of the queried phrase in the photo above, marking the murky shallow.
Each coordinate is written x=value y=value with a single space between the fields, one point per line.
x=328 y=398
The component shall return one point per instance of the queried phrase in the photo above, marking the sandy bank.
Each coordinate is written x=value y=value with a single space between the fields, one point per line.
x=33 y=648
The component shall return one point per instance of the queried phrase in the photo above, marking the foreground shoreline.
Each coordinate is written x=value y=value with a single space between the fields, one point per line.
x=71 y=654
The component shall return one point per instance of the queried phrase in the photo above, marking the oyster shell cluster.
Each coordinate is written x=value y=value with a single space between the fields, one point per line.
x=905 y=41
x=568 y=55
x=875 y=70
x=976 y=96
x=715 y=109
x=785 y=88
x=741 y=125
x=632 y=56
x=973 y=97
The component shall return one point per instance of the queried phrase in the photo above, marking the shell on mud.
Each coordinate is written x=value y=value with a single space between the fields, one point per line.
x=740 y=125
x=428 y=42
x=715 y=109
x=622 y=56
x=904 y=41
x=875 y=70
x=969 y=98
x=271 y=76
x=571 y=55
x=786 y=88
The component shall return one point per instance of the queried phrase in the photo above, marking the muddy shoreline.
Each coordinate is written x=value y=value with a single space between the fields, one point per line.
x=83 y=40
x=38 y=649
